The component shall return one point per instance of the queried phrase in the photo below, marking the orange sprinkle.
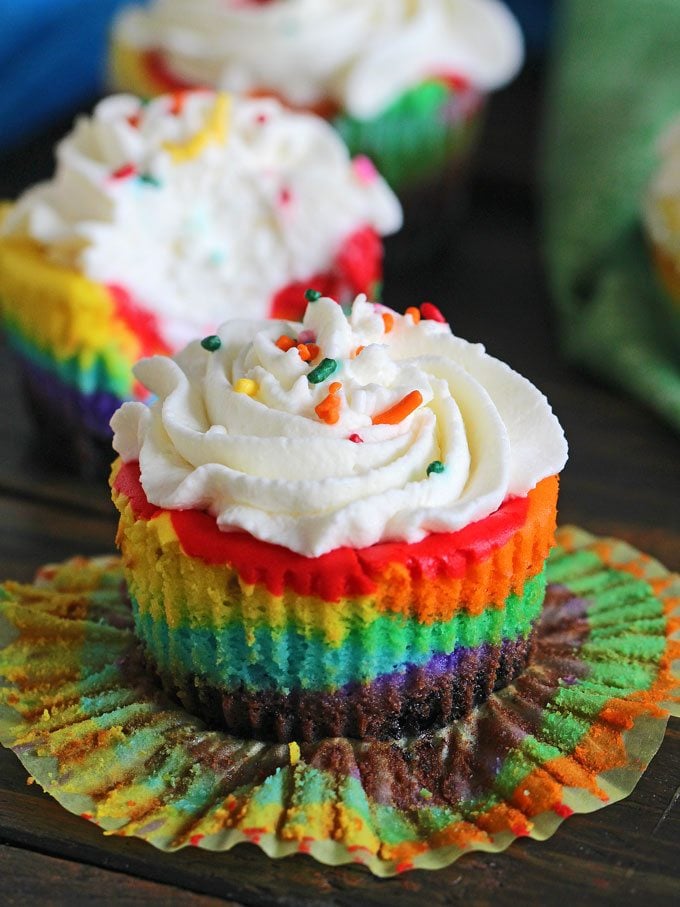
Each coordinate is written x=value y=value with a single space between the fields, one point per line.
x=335 y=387
x=303 y=350
x=397 y=413
x=177 y=101
x=388 y=321
x=329 y=409
x=314 y=351
x=358 y=350
x=414 y=313
x=285 y=343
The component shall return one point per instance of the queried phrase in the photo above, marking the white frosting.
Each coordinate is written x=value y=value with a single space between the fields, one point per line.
x=267 y=199
x=662 y=202
x=269 y=465
x=360 y=53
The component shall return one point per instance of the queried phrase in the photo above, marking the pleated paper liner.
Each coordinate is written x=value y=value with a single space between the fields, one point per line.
x=572 y=734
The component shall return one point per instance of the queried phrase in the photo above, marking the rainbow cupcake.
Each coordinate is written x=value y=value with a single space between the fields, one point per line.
x=404 y=83
x=161 y=219
x=337 y=527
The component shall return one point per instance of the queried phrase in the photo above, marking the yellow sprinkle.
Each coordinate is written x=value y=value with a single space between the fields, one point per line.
x=246 y=386
x=46 y=715
x=294 y=750
x=215 y=130
x=30 y=780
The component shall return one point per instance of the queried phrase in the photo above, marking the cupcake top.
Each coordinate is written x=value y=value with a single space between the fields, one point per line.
x=199 y=201
x=357 y=426
x=662 y=202
x=362 y=54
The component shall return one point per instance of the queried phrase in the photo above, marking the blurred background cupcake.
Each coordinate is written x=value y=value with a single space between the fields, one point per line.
x=403 y=81
x=662 y=220
x=162 y=220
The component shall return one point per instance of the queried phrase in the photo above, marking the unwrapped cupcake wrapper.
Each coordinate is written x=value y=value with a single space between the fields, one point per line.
x=574 y=732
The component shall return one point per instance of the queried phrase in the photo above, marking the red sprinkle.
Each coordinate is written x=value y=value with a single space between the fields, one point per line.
x=124 y=172
x=356 y=438
x=195 y=840
x=432 y=313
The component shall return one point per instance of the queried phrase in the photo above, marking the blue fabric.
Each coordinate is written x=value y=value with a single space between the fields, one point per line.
x=536 y=19
x=52 y=57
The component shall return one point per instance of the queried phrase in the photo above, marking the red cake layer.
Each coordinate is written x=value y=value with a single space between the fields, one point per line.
x=339 y=573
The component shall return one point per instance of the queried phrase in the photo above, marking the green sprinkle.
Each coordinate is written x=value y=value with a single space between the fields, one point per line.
x=211 y=343
x=425 y=793
x=435 y=466
x=149 y=179
x=346 y=310
x=312 y=295
x=323 y=370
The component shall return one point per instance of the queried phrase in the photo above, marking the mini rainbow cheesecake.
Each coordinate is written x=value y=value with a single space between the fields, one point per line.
x=163 y=220
x=337 y=527
x=402 y=82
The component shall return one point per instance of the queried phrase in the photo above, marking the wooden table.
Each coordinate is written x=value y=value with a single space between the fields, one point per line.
x=623 y=478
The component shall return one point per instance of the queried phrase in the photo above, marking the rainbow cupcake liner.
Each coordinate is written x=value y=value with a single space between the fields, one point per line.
x=379 y=641
x=573 y=733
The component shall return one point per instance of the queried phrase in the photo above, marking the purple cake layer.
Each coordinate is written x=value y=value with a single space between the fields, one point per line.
x=73 y=426
x=394 y=705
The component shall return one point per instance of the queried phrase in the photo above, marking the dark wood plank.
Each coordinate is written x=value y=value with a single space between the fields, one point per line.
x=29 y=878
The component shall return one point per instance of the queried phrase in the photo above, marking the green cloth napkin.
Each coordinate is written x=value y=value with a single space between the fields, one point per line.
x=615 y=86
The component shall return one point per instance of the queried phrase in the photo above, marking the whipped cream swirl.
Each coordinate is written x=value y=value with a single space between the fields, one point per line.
x=196 y=203
x=360 y=53
x=242 y=431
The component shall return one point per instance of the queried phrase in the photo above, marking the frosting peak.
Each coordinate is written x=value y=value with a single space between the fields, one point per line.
x=392 y=429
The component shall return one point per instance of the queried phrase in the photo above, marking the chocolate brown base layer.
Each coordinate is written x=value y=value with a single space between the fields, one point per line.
x=393 y=706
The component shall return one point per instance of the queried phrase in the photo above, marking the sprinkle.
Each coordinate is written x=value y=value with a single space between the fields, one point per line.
x=285 y=343
x=397 y=413
x=432 y=313
x=364 y=168
x=435 y=466
x=414 y=313
x=261 y=118
x=388 y=321
x=177 y=101
x=285 y=196
x=304 y=352
x=314 y=351
x=323 y=370
x=246 y=386
x=133 y=120
x=358 y=351
x=329 y=408
x=294 y=752
x=215 y=131
x=211 y=343
x=149 y=179
x=312 y=295
x=122 y=173
x=346 y=309
x=357 y=439
x=425 y=793
x=306 y=337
